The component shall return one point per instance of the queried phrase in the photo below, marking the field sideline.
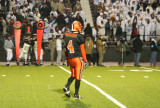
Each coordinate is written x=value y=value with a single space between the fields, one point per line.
x=41 y=87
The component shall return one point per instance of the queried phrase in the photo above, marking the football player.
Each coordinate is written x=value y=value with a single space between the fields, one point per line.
x=76 y=56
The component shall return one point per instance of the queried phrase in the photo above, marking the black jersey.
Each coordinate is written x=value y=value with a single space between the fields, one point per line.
x=73 y=42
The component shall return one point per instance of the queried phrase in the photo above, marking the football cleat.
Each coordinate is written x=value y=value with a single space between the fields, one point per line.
x=66 y=91
x=77 y=97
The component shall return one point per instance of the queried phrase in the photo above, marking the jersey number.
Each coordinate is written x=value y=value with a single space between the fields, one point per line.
x=70 y=47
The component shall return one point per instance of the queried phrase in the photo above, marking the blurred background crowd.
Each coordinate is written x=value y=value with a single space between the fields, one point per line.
x=119 y=21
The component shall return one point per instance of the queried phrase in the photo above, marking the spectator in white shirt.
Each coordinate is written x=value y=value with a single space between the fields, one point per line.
x=101 y=24
x=94 y=34
x=59 y=50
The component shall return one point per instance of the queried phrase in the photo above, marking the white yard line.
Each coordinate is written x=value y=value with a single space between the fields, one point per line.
x=142 y=70
x=101 y=91
x=150 y=69
x=122 y=76
x=117 y=70
x=4 y=75
x=135 y=70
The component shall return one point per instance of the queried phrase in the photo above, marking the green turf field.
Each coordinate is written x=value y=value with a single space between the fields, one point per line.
x=41 y=87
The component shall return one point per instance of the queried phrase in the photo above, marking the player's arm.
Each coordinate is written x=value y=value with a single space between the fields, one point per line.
x=83 y=53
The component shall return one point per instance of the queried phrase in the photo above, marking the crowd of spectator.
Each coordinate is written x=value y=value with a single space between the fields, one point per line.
x=116 y=20
x=127 y=18
x=57 y=16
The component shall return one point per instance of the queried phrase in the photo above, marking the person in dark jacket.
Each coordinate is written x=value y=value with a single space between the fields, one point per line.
x=134 y=31
x=154 y=51
x=61 y=20
x=155 y=4
x=79 y=18
x=88 y=30
x=45 y=11
x=137 y=47
x=118 y=32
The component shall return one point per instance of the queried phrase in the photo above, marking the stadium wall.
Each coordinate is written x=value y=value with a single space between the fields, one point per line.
x=110 y=56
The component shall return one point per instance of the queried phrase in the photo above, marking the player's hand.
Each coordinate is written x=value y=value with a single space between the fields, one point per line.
x=86 y=64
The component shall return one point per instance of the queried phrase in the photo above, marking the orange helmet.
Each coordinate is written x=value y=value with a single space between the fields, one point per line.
x=76 y=26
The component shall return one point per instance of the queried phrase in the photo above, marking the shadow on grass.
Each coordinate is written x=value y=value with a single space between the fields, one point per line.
x=61 y=91
x=77 y=104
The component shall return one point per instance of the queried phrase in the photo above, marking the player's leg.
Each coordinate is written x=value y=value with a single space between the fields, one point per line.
x=78 y=76
x=36 y=55
x=8 y=56
x=71 y=78
x=66 y=88
x=41 y=57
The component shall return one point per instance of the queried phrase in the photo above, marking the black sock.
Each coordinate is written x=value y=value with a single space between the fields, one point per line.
x=77 y=86
x=70 y=80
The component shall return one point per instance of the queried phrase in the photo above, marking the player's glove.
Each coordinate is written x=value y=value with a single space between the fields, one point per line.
x=86 y=64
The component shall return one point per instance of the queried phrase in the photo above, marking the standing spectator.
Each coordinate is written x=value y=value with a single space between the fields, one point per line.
x=11 y=29
x=54 y=12
x=141 y=28
x=88 y=48
x=20 y=17
x=35 y=51
x=36 y=7
x=68 y=19
x=45 y=11
x=37 y=15
x=101 y=50
x=129 y=29
x=82 y=13
x=57 y=31
x=134 y=31
x=51 y=34
x=46 y=30
x=8 y=46
x=88 y=30
x=101 y=25
x=118 y=32
x=52 y=48
x=94 y=34
x=154 y=51
x=11 y=16
x=153 y=25
x=34 y=26
x=48 y=4
x=137 y=47
x=123 y=25
x=95 y=2
x=59 y=50
x=79 y=18
x=147 y=30
x=155 y=4
x=27 y=50
x=23 y=30
x=4 y=30
x=121 y=48
x=61 y=20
